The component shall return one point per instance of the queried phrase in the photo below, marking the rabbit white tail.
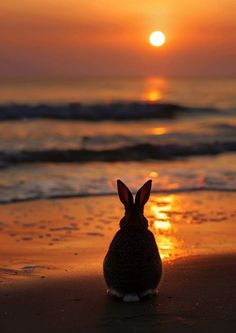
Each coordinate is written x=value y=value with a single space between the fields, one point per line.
x=131 y=298
x=136 y=297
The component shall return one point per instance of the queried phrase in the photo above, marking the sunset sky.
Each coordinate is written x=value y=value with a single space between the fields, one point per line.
x=110 y=37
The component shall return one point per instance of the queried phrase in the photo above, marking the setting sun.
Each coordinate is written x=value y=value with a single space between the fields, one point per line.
x=157 y=38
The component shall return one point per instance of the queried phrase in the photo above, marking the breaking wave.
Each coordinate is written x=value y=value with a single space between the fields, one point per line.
x=137 y=152
x=119 y=111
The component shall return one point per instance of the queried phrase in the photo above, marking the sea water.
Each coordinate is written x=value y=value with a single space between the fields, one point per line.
x=75 y=137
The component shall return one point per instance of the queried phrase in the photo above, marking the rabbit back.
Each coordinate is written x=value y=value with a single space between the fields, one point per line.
x=133 y=264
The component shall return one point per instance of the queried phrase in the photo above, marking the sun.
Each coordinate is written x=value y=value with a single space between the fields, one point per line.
x=157 y=38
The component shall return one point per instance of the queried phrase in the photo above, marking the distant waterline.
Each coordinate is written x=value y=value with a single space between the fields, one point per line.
x=194 y=92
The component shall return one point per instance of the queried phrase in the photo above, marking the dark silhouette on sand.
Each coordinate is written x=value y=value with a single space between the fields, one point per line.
x=132 y=266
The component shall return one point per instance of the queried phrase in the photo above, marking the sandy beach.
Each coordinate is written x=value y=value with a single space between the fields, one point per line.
x=195 y=296
x=117 y=115
x=51 y=266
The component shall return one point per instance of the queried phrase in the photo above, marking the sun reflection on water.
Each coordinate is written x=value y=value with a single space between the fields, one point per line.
x=159 y=131
x=153 y=174
x=155 y=88
x=153 y=96
x=161 y=224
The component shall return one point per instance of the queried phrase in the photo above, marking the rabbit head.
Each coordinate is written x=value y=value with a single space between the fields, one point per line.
x=134 y=217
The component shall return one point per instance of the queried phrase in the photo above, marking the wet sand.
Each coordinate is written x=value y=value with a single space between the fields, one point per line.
x=51 y=266
x=196 y=295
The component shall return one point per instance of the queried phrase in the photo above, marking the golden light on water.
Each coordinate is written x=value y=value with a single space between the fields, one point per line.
x=155 y=89
x=157 y=38
x=166 y=247
x=154 y=96
x=162 y=225
x=153 y=174
x=160 y=215
x=159 y=130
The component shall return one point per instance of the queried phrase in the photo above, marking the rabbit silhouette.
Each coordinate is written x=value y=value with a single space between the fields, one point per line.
x=132 y=266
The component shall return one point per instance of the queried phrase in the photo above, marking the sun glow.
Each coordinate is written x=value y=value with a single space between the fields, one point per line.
x=157 y=38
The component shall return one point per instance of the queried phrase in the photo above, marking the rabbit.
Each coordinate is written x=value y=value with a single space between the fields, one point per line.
x=132 y=266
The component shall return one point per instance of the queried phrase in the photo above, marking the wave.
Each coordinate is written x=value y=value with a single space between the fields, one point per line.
x=138 y=152
x=33 y=181
x=99 y=112
x=105 y=194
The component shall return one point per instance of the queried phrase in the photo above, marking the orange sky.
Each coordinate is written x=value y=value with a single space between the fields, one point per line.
x=110 y=37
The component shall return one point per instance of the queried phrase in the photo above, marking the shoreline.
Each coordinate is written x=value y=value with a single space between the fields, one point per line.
x=114 y=194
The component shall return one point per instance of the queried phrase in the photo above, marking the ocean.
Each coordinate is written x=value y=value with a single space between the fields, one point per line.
x=76 y=137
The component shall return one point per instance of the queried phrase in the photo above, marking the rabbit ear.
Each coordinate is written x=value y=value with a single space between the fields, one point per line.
x=125 y=195
x=143 y=194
